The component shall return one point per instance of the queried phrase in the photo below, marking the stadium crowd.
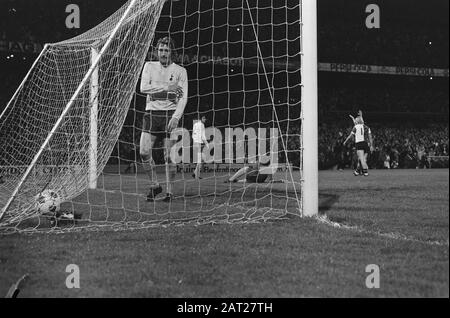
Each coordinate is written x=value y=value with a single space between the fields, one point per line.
x=394 y=147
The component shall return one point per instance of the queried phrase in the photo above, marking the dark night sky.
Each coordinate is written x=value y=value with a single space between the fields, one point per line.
x=51 y=12
x=338 y=20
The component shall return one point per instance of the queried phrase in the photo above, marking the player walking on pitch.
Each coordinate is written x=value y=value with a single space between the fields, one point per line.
x=363 y=143
x=166 y=86
x=199 y=139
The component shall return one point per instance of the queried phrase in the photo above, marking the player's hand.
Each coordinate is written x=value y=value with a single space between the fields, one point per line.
x=173 y=123
x=174 y=88
x=371 y=148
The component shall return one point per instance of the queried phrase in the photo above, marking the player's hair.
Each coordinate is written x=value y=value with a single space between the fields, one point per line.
x=170 y=43
x=201 y=115
x=359 y=120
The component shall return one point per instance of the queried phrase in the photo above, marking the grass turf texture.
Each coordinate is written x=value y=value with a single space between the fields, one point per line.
x=397 y=219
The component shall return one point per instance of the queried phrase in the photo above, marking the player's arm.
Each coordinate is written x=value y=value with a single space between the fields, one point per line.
x=183 y=84
x=205 y=141
x=350 y=136
x=157 y=90
x=369 y=132
x=353 y=119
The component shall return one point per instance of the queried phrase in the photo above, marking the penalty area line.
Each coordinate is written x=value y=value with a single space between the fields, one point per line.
x=323 y=219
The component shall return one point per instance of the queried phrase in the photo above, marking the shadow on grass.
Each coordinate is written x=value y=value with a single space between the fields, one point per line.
x=326 y=202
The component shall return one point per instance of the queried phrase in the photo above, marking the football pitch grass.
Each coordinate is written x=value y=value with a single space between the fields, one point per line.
x=397 y=220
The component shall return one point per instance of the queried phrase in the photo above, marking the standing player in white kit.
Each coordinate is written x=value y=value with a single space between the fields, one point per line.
x=199 y=139
x=363 y=143
x=166 y=86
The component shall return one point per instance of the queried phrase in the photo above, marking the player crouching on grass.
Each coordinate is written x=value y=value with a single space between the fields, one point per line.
x=166 y=86
x=254 y=173
x=361 y=133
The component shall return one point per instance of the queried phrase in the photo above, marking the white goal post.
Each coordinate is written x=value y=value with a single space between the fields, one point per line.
x=93 y=119
x=310 y=109
x=252 y=69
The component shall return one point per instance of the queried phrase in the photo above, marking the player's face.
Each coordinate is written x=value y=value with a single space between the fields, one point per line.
x=203 y=119
x=164 y=54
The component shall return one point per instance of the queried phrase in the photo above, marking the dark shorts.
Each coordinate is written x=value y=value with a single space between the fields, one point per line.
x=363 y=145
x=155 y=122
x=256 y=177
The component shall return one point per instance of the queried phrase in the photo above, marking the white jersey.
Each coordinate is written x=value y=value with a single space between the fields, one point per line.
x=361 y=133
x=156 y=79
x=198 y=133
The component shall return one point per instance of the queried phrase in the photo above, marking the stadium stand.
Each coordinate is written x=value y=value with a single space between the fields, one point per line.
x=413 y=43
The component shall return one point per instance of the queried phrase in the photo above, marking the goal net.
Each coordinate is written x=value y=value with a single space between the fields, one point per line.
x=74 y=124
